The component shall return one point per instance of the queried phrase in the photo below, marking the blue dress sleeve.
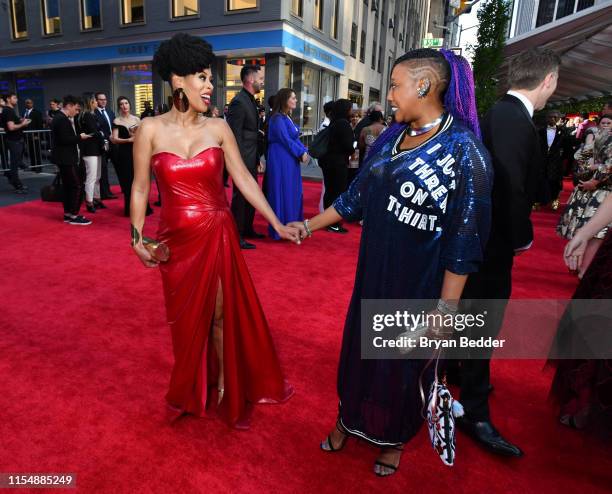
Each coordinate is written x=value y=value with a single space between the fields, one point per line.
x=279 y=131
x=468 y=222
x=351 y=203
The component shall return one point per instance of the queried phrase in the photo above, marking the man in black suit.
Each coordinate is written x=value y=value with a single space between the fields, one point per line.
x=33 y=139
x=105 y=117
x=553 y=140
x=66 y=157
x=510 y=136
x=243 y=119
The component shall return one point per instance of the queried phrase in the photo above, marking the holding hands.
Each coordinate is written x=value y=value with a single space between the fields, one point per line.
x=289 y=232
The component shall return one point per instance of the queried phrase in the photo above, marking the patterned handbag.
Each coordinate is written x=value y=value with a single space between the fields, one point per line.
x=442 y=410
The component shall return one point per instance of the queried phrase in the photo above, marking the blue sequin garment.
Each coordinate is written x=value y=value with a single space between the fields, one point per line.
x=424 y=211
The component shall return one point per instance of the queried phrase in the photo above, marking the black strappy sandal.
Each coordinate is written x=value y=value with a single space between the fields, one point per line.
x=328 y=442
x=393 y=468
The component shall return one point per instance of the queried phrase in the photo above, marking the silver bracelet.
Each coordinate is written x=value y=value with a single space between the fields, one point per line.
x=307 y=228
x=446 y=308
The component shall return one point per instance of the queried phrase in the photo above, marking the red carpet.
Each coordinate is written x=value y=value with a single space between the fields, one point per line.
x=86 y=356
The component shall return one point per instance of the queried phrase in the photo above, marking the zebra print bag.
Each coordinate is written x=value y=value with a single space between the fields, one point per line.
x=442 y=410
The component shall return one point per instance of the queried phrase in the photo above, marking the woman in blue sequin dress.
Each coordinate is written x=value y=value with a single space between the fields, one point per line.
x=425 y=204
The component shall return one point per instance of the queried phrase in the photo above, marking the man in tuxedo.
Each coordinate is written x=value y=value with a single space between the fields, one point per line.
x=553 y=140
x=33 y=139
x=66 y=156
x=512 y=139
x=105 y=119
x=243 y=119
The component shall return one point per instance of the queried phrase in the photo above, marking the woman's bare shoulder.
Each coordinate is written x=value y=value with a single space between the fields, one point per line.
x=216 y=126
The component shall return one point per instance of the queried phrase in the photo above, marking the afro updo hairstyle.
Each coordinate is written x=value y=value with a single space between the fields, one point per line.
x=182 y=55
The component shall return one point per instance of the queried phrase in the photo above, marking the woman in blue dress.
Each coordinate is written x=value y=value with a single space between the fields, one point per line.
x=285 y=153
x=423 y=194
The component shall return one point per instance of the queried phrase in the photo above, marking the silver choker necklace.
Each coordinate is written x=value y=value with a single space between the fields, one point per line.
x=426 y=128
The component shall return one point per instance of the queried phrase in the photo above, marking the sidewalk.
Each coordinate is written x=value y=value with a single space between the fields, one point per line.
x=35 y=181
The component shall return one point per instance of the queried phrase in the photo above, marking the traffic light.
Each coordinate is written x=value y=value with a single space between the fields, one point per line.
x=465 y=7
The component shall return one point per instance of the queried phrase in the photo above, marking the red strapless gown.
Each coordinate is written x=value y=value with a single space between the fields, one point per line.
x=199 y=228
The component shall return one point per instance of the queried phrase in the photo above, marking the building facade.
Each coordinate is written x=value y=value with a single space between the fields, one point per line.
x=323 y=49
x=528 y=15
x=380 y=32
x=579 y=31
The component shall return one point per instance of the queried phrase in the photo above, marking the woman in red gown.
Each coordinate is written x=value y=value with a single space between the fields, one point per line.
x=223 y=351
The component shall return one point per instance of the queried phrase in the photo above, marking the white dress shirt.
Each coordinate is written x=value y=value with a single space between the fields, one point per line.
x=528 y=104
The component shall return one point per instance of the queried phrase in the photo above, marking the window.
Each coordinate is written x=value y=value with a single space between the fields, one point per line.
x=565 y=7
x=135 y=82
x=241 y=5
x=354 y=40
x=546 y=11
x=334 y=22
x=90 y=15
x=380 y=59
x=374 y=56
x=184 y=8
x=297 y=7
x=328 y=90
x=310 y=98
x=51 y=17
x=318 y=14
x=132 y=11
x=233 y=84
x=374 y=96
x=18 y=19
x=362 y=49
x=584 y=4
x=355 y=92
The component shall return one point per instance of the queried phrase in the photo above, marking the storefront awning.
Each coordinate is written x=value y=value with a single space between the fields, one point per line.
x=584 y=41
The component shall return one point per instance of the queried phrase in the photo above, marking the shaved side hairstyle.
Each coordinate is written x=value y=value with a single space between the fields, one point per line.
x=425 y=63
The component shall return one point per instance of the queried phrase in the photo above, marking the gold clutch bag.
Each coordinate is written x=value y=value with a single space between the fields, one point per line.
x=158 y=250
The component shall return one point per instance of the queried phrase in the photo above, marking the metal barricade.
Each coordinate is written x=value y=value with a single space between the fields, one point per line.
x=37 y=145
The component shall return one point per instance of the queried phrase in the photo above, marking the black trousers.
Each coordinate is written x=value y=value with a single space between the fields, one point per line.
x=125 y=174
x=486 y=292
x=72 y=180
x=335 y=176
x=242 y=210
x=15 y=151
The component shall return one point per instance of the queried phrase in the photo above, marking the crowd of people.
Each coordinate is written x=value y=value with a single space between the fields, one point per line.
x=444 y=201
x=85 y=136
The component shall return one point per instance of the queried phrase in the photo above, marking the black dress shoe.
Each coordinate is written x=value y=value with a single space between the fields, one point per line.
x=254 y=234
x=485 y=434
x=247 y=245
x=109 y=196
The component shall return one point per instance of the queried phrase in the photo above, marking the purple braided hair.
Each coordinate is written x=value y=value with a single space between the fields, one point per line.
x=460 y=99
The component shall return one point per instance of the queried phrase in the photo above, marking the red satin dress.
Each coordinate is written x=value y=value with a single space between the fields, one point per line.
x=197 y=224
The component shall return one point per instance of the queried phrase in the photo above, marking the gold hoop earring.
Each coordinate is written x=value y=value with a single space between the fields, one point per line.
x=180 y=100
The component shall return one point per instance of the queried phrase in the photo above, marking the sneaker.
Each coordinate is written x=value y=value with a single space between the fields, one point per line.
x=80 y=220
x=336 y=229
x=67 y=218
